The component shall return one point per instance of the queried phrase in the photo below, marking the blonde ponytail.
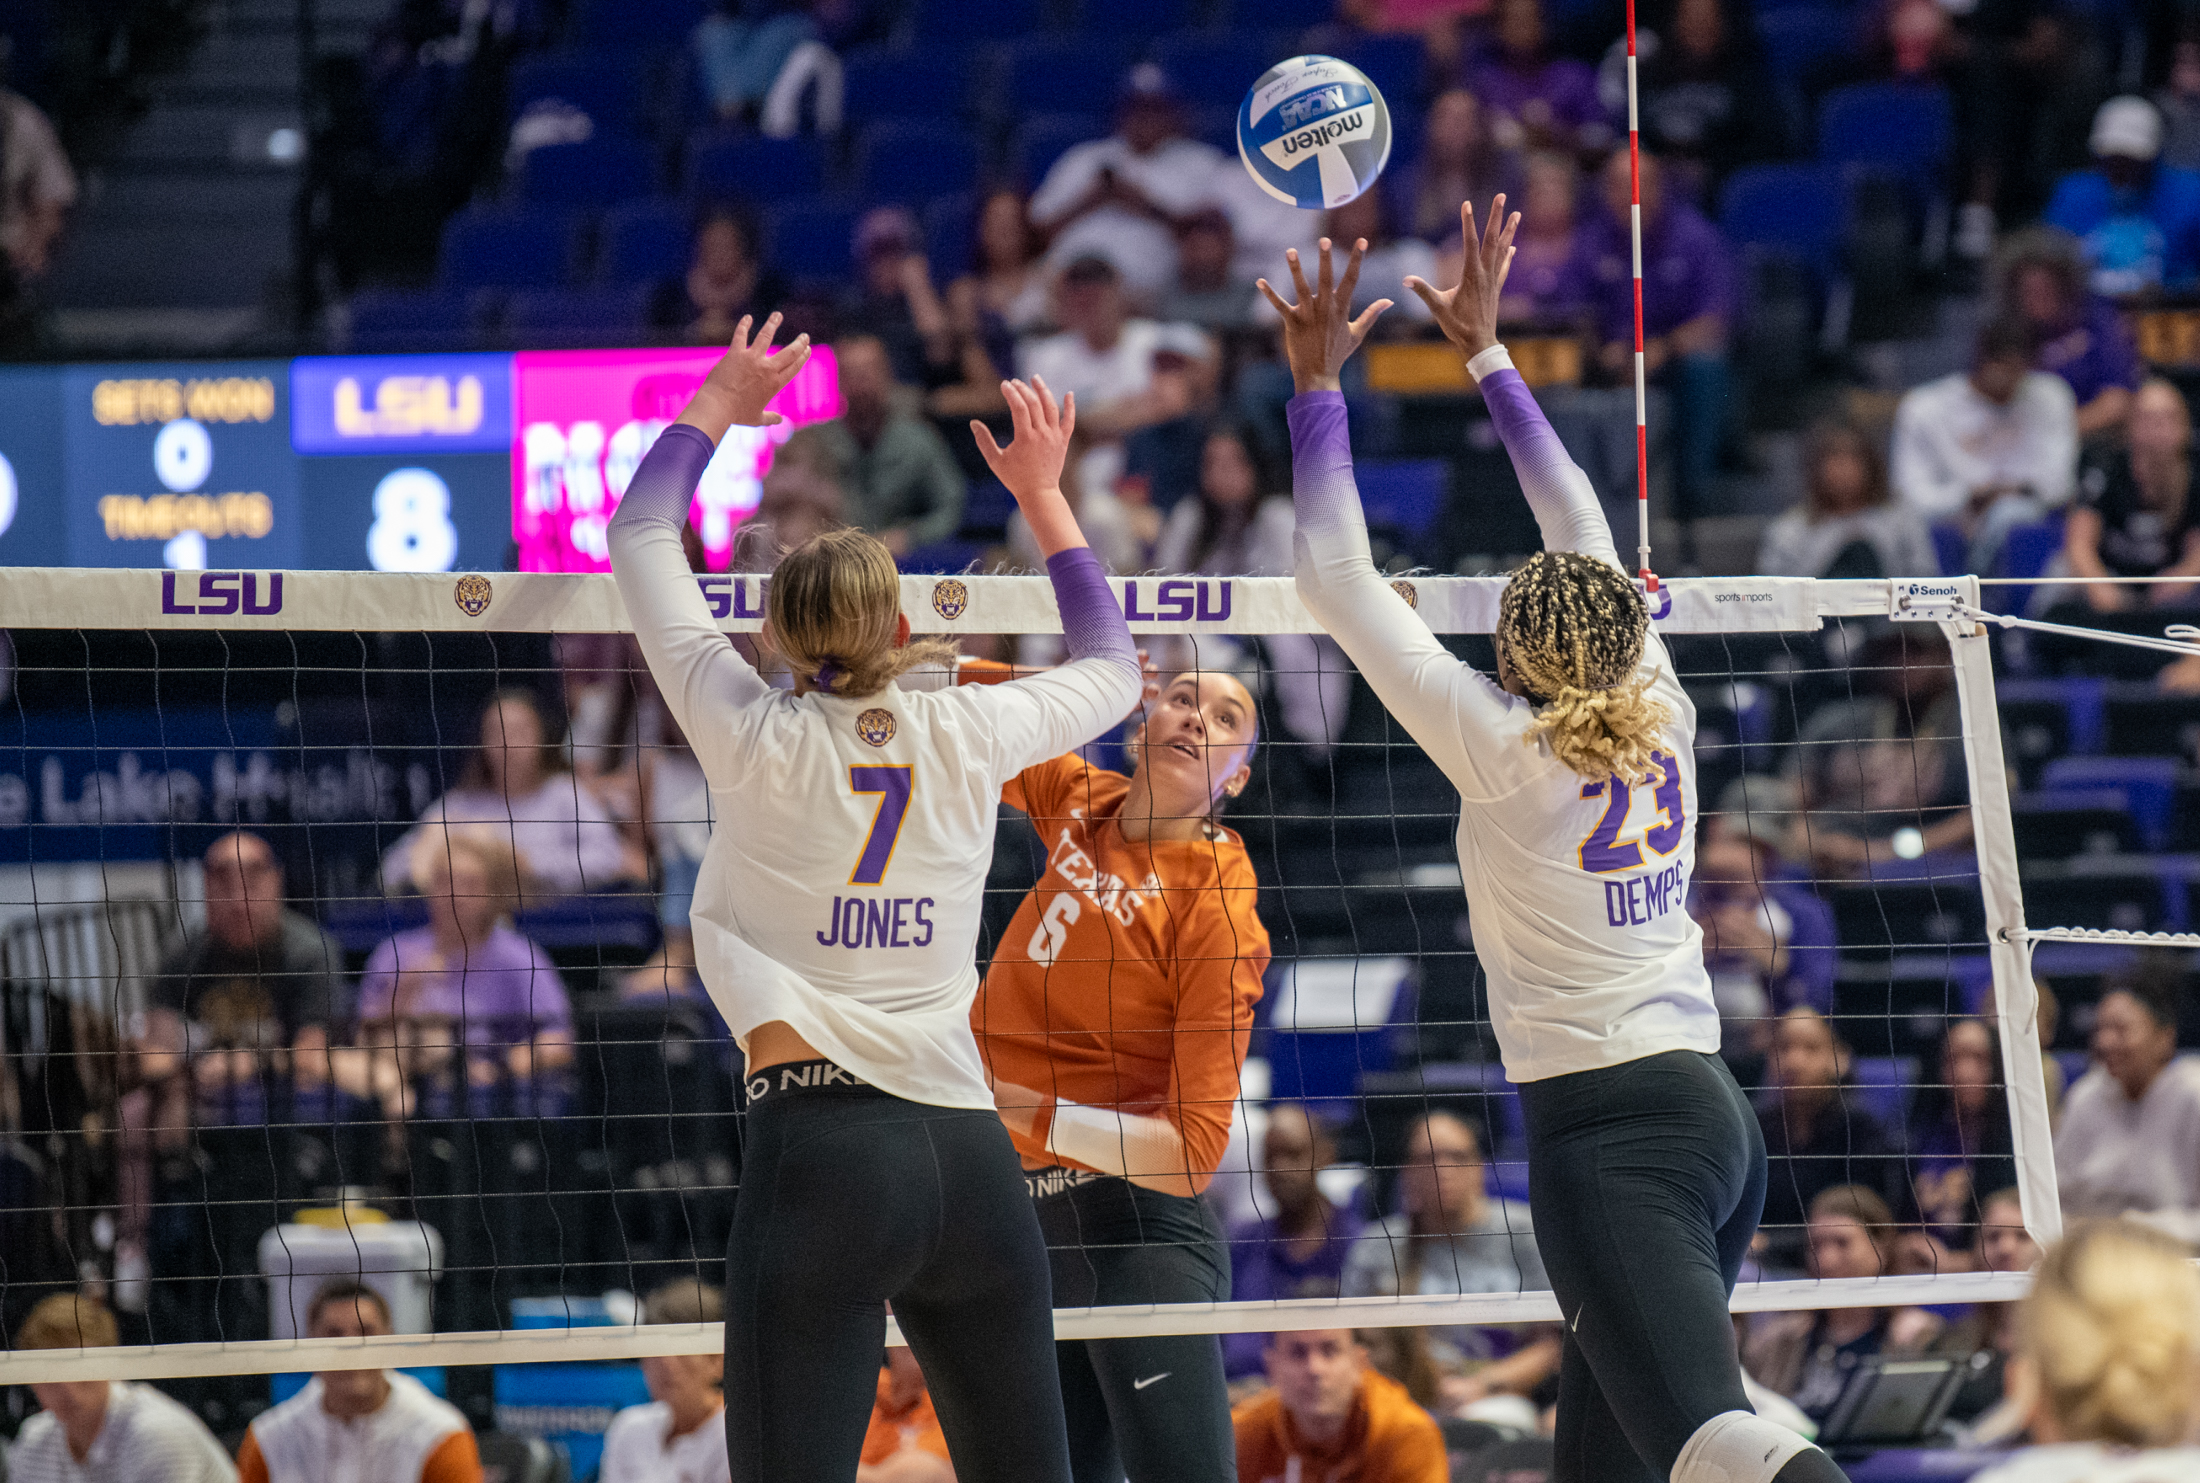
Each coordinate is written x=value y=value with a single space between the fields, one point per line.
x=1572 y=628
x=2112 y=1328
x=834 y=606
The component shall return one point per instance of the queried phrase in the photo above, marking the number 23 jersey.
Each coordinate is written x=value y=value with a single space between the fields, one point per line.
x=1129 y=974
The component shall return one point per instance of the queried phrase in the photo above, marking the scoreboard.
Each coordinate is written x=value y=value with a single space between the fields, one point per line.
x=385 y=463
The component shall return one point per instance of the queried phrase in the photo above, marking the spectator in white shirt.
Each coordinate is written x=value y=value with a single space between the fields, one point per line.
x=678 y=1437
x=1105 y=355
x=114 y=1431
x=1123 y=197
x=517 y=780
x=358 y=1426
x=2129 y=1142
x=1990 y=448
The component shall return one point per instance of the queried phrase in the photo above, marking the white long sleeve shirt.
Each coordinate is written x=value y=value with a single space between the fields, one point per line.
x=1949 y=441
x=145 y=1438
x=2114 y=1156
x=851 y=837
x=1576 y=889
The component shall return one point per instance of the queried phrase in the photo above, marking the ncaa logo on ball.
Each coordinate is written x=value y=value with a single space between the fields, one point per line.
x=876 y=726
x=472 y=595
x=1314 y=132
x=1407 y=591
x=950 y=598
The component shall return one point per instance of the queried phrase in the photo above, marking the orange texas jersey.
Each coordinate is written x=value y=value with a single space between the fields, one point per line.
x=1128 y=976
x=915 y=1425
x=1388 y=1439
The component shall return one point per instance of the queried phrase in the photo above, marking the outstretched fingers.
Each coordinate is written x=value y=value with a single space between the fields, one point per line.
x=1273 y=297
x=1298 y=275
x=1327 y=280
x=1367 y=319
x=1351 y=279
x=1050 y=415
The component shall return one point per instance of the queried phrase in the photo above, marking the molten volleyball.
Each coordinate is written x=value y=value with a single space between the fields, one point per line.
x=1314 y=132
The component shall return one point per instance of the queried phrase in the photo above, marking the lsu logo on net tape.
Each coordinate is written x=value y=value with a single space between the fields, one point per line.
x=876 y=726
x=473 y=594
x=1408 y=591
x=950 y=598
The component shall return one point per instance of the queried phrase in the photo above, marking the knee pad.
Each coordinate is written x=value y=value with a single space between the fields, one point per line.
x=1737 y=1447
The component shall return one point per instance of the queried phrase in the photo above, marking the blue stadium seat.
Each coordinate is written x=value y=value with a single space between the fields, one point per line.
x=559 y=319
x=1794 y=209
x=1404 y=495
x=644 y=242
x=1215 y=68
x=606 y=88
x=526 y=248
x=1881 y=1085
x=977 y=20
x=384 y=323
x=1799 y=37
x=2148 y=785
x=986 y=511
x=943 y=558
x=597 y=172
x=748 y=168
x=1396 y=65
x=1281 y=15
x=949 y=222
x=1903 y=130
x=1951 y=546
x=911 y=160
x=658 y=24
x=925 y=81
x=1063 y=74
x=1043 y=139
x=812 y=241
x=2031 y=547
x=1142 y=17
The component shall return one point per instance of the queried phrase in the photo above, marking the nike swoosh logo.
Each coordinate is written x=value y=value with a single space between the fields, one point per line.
x=1151 y=1380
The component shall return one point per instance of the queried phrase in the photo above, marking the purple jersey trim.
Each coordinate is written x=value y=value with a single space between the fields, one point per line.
x=1092 y=620
x=663 y=488
x=1322 y=489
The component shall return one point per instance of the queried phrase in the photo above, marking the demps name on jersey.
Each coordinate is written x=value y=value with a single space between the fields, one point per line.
x=1637 y=902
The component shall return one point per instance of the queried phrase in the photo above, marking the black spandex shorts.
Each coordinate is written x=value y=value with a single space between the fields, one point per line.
x=851 y=1199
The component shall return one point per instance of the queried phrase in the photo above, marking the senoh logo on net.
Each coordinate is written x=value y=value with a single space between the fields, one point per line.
x=222 y=594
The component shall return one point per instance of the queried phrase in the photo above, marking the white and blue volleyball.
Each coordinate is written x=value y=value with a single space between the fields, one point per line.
x=1314 y=132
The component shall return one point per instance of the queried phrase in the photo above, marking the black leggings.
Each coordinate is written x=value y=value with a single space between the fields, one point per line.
x=851 y=1199
x=1646 y=1181
x=1154 y=1409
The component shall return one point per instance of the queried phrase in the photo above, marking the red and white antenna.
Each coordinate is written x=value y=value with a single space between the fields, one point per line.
x=1642 y=419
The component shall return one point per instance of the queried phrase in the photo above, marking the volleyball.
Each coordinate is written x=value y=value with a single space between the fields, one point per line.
x=1314 y=131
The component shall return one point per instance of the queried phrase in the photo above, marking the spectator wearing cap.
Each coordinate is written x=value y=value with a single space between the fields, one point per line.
x=2040 y=278
x=372 y=1426
x=2129 y=1141
x=894 y=301
x=2137 y=217
x=1328 y=1413
x=1107 y=356
x=902 y=484
x=117 y=1431
x=1688 y=277
x=1124 y=197
x=1990 y=448
x=679 y=1433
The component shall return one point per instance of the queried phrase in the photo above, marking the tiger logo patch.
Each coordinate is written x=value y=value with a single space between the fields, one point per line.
x=876 y=726
x=472 y=595
x=1407 y=591
x=950 y=598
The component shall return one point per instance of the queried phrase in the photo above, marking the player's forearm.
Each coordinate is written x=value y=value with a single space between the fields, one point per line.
x=1565 y=505
x=663 y=487
x=1143 y=1149
x=1092 y=620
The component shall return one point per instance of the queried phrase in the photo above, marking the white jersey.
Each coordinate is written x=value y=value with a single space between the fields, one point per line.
x=851 y=839
x=635 y=1449
x=1576 y=888
x=302 y=1443
x=145 y=1438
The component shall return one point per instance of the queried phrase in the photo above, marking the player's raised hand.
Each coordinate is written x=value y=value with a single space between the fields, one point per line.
x=1319 y=332
x=1467 y=314
x=1031 y=464
x=748 y=376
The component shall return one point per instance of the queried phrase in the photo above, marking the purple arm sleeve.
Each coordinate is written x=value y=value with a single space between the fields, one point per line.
x=1322 y=489
x=663 y=488
x=1521 y=423
x=1566 y=507
x=1092 y=620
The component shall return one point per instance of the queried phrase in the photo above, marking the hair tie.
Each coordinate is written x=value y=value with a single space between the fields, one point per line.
x=826 y=673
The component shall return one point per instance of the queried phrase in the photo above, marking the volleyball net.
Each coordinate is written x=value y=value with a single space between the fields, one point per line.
x=204 y=1133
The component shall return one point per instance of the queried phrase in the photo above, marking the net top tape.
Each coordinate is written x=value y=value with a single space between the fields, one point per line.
x=551 y=602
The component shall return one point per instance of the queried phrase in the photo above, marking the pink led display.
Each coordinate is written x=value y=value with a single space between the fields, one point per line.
x=584 y=419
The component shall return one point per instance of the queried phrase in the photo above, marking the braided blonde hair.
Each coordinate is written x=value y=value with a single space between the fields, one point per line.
x=834 y=605
x=1572 y=628
x=2112 y=1328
